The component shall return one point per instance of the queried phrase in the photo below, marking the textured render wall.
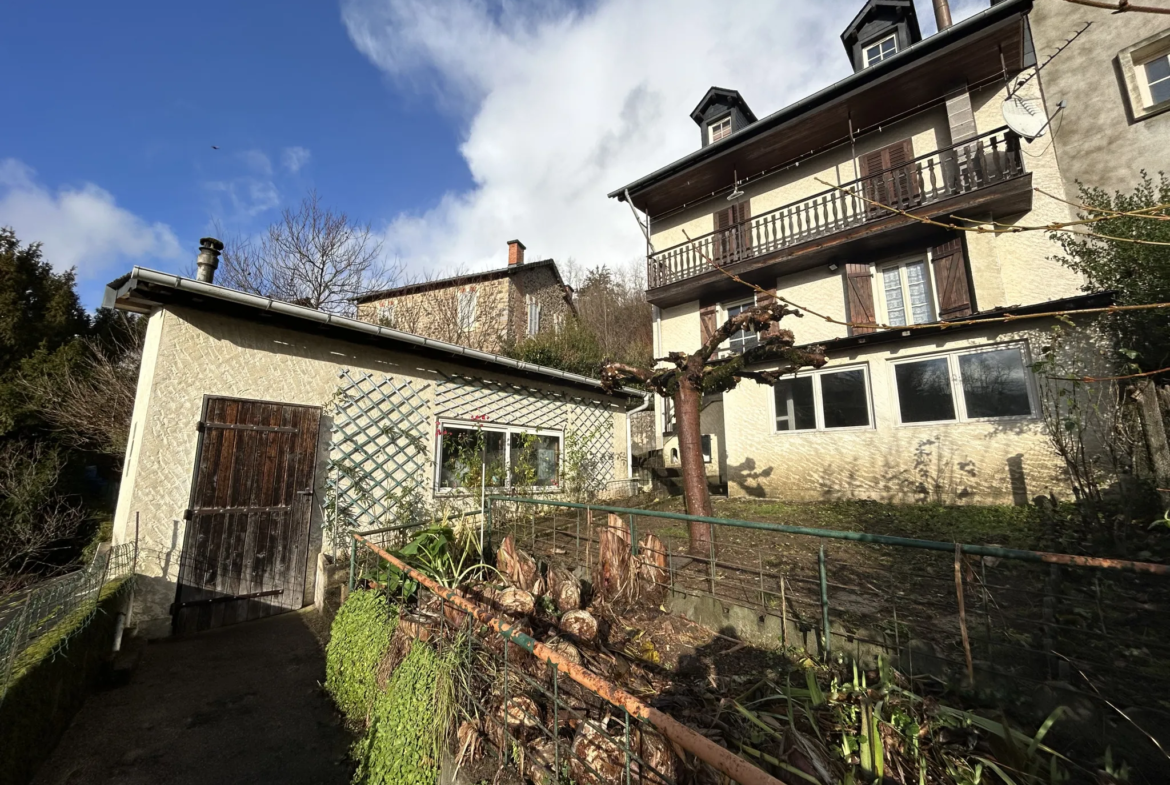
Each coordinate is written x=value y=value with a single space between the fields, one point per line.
x=1097 y=141
x=978 y=462
x=190 y=354
x=1027 y=272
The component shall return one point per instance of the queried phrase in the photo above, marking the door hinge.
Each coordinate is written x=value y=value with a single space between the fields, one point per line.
x=187 y=514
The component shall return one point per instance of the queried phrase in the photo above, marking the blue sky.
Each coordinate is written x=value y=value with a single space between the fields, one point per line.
x=451 y=126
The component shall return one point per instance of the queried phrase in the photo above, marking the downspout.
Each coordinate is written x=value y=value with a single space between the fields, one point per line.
x=647 y=399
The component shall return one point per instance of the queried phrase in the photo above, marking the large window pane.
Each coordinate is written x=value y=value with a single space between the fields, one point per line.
x=741 y=340
x=924 y=390
x=844 y=397
x=895 y=305
x=919 y=297
x=994 y=383
x=795 y=410
x=466 y=454
x=535 y=460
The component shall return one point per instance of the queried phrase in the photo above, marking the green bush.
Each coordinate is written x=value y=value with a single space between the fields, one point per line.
x=358 y=640
x=408 y=721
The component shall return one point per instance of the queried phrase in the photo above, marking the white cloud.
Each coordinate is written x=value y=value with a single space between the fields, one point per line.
x=257 y=161
x=562 y=105
x=80 y=226
x=293 y=158
x=243 y=198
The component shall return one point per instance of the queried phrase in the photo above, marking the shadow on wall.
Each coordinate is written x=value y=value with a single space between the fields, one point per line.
x=936 y=470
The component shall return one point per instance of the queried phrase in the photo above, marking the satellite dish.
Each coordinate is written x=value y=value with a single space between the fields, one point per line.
x=1025 y=116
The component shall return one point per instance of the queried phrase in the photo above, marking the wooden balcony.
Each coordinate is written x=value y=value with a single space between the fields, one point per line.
x=940 y=178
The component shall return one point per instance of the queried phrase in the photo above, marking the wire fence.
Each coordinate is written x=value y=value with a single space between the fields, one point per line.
x=1021 y=631
x=71 y=599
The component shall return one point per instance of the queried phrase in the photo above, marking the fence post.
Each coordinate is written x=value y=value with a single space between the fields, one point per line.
x=963 y=612
x=353 y=545
x=824 y=603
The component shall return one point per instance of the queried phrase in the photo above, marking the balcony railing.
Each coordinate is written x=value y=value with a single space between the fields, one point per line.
x=962 y=168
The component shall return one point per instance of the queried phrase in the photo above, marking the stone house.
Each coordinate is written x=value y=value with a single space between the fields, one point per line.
x=262 y=430
x=485 y=310
x=793 y=203
x=1114 y=83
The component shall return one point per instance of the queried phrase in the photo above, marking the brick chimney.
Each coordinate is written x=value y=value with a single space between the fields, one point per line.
x=515 y=252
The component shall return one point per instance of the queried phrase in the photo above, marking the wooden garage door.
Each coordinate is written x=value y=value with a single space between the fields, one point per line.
x=247 y=537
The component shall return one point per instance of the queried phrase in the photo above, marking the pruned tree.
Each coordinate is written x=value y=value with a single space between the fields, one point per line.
x=686 y=378
x=312 y=256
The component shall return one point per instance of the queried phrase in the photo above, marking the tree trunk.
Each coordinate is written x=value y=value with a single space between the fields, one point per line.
x=687 y=402
x=1155 y=432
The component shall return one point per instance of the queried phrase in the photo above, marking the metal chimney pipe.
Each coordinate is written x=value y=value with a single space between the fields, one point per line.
x=208 y=259
x=942 y=14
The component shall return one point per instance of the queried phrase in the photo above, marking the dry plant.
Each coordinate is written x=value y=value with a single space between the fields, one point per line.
x=36 y=522
x=312 y=256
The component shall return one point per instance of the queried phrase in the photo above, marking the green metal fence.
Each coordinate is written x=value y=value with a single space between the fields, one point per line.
x=72 y=599
x=1013 y=629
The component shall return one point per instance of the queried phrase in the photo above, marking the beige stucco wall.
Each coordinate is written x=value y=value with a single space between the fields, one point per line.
x=1098 y=141
x=190 y=354
x=987 y=462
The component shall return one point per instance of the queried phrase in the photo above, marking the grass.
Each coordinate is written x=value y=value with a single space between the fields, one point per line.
x=1007 y=526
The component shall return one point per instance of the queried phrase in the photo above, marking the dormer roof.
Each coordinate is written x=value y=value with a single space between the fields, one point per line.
x=717 y=98
x=878 y=19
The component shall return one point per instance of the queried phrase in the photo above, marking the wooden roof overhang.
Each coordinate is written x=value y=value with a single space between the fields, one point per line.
x=984 y=49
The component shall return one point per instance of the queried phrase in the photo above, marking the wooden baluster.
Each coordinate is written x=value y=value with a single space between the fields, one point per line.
x=933 y=177
x=981 y=156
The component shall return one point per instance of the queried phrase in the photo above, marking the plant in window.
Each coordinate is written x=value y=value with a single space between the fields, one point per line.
x=691 y=376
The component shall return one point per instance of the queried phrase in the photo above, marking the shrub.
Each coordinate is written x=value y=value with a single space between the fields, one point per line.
x=358 y=640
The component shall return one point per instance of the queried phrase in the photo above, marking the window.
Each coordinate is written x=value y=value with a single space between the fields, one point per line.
x=471 y=456
x=706 y=440
x=386 y=315
x=1145 y=70
x=825 y=400
x=979 y=385
x=719 y=129
x=880 y=50
x=467 y=306
x=1158 y=79
x=906 y=293
x=533 y=316
x=744 y=339
x=668 y=424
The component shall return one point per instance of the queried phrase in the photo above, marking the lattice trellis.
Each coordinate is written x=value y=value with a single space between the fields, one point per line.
x=466 y=397
x=380 y=450
x=592 y=422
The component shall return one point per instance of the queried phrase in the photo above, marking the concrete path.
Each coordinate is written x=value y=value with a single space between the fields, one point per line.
x=241 y=704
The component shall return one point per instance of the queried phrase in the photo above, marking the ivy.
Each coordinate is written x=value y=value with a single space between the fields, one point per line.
x=408 y=721
x=358 y=640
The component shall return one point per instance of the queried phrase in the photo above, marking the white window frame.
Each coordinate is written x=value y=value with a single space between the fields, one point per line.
x=508 y=431
x=818 y=401
x=722 y=127
x=1146 y=85
x=958 y=400
x=723 y=311
x=467 y=306
x=878 y=45
x=879 y=286
x=1133 y=60
x=533 y=316
x=385 y=313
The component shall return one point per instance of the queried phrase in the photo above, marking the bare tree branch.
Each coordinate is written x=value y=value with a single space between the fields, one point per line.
x=1121 y=6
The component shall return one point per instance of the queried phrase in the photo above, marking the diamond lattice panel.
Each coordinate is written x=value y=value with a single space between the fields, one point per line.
x=466 y=398
x=380 y=455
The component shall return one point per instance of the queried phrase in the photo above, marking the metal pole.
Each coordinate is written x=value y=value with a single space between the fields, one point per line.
x=353 y=543
x=963 y=612
x=825 y=603
x=556 y=726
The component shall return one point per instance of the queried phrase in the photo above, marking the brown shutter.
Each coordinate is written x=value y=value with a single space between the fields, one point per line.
x=706 y=323
x=767 y=298
x=894 y=187
x=859 y=297
x=950 y=277
x=722 y=247
x=743 y=239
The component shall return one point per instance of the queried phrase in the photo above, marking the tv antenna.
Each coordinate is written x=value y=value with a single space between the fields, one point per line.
x=1051 y=57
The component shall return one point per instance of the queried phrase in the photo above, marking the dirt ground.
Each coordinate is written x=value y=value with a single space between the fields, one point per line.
x=242 y=704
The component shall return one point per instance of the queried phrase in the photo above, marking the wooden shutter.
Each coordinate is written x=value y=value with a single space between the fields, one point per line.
x=859 y=297
x=950 y=278
x=888 y=177
x=722 y=247
x=742 y=213
x=767 y=298
x=706 y=323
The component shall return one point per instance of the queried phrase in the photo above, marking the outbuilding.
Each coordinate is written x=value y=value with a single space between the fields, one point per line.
x=263 y=430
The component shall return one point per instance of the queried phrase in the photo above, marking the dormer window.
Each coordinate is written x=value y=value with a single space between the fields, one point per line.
x=718 y=130
x=880 y=50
